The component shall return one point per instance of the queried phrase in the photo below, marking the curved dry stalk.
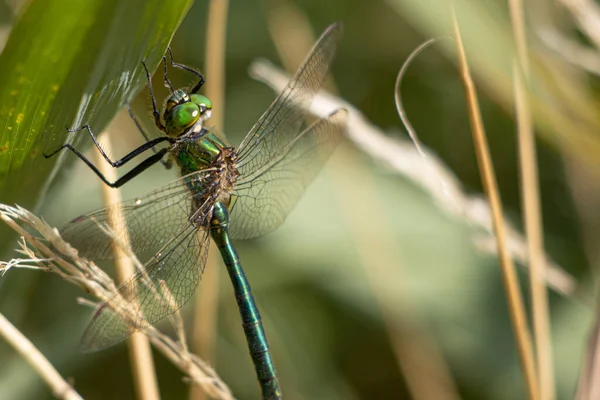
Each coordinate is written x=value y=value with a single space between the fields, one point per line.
x=404 y=117
x=46 y=244
x=398 y=98
x=60 y=388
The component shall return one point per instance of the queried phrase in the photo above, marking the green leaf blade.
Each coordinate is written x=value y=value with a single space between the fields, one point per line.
x=69 y=68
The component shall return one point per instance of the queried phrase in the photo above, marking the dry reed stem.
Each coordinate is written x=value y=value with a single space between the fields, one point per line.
x=204 y=330
x=140 y=354
x=417 y=355
x=533 y=229
x=430 y=174
x=60 y=388
x=216 y=34
x=531 y=207
x=511 y=284
x=95 y=282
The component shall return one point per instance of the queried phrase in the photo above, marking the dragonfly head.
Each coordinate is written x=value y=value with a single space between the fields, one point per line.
x=183 y=111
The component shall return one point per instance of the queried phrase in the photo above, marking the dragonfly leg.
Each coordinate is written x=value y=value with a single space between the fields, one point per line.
x=147 y=163
x=116 y=164
x=167 y=164
x=141 y=167
x=155 y=111
x=201 y=79
x=166 y=75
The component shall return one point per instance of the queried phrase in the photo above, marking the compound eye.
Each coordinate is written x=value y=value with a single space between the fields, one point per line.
x=203 y=102
x=181 y=117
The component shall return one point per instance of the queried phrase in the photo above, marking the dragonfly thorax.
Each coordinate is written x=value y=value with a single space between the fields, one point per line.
x=205 y=151
x=185 y=113
x=226 y=174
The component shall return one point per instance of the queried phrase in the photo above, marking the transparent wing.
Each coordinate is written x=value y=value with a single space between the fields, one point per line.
x=151 y=221
x=167 y=283
x=263 y=198
x=283 y=120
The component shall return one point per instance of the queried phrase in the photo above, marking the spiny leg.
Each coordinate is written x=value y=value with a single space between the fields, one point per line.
x=201 y=79
x=141 y=167
x=115 y=164
x=166 y=75
x=144 y=165
x=129 y=175
x=155 y=111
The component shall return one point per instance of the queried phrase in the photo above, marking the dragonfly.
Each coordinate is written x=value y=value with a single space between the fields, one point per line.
x=223 y=193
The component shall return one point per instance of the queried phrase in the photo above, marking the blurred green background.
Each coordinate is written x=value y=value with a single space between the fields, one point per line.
x=367 y=266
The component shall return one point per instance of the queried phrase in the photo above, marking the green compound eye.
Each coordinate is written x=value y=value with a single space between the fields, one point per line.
x=181 y=117
x=202 y=101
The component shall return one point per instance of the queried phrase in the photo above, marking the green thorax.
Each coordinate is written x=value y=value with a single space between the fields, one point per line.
x=205 y=151
x=198 y=152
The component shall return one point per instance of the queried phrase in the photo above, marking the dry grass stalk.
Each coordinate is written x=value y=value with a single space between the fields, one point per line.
x=41 y=243
x=531 y=207
x=509 y=274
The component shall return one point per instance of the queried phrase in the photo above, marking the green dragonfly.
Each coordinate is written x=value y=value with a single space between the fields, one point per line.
x=224 y=192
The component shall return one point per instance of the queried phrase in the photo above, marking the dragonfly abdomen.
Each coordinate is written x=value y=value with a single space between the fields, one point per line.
x=251 y=321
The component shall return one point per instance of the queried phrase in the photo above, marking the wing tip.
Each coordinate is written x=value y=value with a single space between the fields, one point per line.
x=337 y=27
x=92 y=340
x=89 y=342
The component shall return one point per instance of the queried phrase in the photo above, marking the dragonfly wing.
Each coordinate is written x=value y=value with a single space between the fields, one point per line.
x=283 y=120
x=266 y=196
x=150 y=221
x=167 y=283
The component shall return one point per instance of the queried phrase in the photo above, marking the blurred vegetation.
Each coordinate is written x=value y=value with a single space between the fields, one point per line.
x=327 y=318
